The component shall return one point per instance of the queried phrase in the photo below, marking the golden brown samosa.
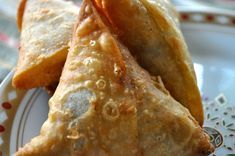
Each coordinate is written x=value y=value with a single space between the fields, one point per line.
x=46 y=28
x=149 y=29
x=106 y=105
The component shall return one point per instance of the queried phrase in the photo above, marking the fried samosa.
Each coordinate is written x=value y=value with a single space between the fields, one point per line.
x=46 y=28
x=149 y=29
x=106 y=105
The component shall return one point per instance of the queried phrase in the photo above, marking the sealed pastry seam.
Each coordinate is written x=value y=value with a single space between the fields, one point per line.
x=45 y=27
x=153 y=37
x=106 y=104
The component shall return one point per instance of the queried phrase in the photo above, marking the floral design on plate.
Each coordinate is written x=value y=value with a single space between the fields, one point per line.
x=216 y=137
x=220 y=123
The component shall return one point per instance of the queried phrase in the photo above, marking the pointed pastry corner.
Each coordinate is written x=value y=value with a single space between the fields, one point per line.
x=42 y=73
x=204 y=147
x=82 y=101
x=153 y=36
x=43 y=47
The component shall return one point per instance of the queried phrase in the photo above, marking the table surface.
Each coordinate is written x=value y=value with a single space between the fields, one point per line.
x=9 y=35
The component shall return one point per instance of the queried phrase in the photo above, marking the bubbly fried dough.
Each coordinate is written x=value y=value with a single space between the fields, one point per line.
x=149 y=29
x=106 y=105
x=46 y=28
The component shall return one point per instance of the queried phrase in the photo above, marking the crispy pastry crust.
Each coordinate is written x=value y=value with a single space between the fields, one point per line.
x=45 y=27
x=150 y=31
x=106 y=105
x=163 y=52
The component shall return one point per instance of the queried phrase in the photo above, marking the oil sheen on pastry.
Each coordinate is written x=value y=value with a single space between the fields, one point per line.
x=149 y=29
x=46 y=28
x=106 y=105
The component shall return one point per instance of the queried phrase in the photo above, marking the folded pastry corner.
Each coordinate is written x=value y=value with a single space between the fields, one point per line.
x=149 y=29
x=106 y=105
x=45 y=27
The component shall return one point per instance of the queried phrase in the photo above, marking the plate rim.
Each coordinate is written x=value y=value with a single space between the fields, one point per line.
x=211 y=10
x=206 y=15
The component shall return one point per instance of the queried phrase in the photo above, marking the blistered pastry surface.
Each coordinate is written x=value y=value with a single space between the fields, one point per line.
x=152 y=35
x=107 y=105
x=45 y=30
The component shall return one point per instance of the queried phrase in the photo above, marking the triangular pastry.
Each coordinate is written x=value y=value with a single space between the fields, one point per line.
x=106 y=105
x=46 y=27
x=149 y=29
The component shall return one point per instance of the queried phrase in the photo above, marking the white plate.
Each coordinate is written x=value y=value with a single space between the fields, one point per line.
x=211 y=40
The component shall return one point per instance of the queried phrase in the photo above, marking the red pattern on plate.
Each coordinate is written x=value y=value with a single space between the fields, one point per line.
x=12 y=42
x=185 y=16
x=2 y=129
x=3 y=37
x=233 y=21
x=210 y=17
x=6 y=105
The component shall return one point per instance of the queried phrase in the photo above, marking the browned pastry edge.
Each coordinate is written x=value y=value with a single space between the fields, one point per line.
x=20 y=13
x=141 y=80
x=192 y=99
x=24 y=80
